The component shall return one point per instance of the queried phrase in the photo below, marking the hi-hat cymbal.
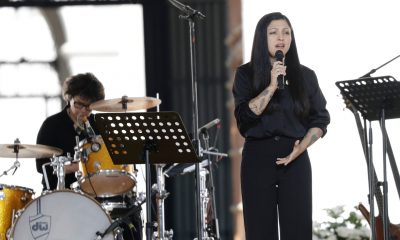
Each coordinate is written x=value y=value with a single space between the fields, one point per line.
x=28 y=151
x=125 y=104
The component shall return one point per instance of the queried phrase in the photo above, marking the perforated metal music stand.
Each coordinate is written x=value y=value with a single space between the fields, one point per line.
x=376 y=98
x=370 y=95
x=146 y=138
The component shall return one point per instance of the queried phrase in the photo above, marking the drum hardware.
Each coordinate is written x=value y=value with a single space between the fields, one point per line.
x=58 y=164
x=27 y=150
x=14 y=167
x=115 y=226
x=19 y=150
x=79 y=155
x=161 y=195
x=118 y=205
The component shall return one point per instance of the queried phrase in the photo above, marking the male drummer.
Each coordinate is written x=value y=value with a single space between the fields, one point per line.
x=60 y=130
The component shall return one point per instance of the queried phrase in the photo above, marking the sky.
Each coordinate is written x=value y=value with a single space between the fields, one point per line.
x=341 y=40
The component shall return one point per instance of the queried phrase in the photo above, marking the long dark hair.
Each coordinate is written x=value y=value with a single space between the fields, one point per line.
x=261 y=66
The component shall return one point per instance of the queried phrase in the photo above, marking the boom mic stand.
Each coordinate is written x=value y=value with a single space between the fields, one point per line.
x=368 y=74
x=189 y=15
x=212 y=232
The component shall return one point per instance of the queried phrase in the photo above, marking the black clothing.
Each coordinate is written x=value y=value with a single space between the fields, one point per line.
x=274 y=193
x=58 y=131
x=283 y=122
x=267 y=187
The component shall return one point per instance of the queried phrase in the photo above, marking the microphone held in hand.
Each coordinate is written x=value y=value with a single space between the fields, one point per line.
x=281 y=78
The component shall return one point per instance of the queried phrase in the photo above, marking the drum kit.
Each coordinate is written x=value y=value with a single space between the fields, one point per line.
x=85 y=210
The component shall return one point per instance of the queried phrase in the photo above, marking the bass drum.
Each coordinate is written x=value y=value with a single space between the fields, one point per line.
x=61 y=215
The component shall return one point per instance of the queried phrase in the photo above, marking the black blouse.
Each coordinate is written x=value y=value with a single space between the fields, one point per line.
x=282 y=122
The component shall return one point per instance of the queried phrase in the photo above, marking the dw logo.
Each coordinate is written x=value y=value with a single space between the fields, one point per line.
x=40 y=226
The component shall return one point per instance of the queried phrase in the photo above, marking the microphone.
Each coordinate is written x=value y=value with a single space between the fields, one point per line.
x=281 y=79
x=88 y=128
x=209 y=125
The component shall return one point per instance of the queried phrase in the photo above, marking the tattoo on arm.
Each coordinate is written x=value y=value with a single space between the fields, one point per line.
x=259 y=103
x=313 y=139
x=254 y=108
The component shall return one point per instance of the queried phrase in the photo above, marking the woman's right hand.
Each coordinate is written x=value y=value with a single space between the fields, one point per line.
x=277 y=69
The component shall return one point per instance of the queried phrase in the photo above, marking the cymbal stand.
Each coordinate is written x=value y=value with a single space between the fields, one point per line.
x=14 y=167
x=161 y=195
x=16 y=163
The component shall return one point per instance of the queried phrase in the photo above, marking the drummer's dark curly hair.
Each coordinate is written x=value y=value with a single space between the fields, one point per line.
x=85 y=85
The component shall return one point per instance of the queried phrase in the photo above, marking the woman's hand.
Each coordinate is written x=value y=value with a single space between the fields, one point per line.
x=311 y=137
x=292 y=156
x=277 y=69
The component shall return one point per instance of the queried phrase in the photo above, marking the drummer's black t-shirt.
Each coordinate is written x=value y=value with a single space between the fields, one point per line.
x=58 y=131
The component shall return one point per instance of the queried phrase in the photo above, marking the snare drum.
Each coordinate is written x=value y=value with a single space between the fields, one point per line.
x=12 y=199
x=100 y=177
x=61 y=215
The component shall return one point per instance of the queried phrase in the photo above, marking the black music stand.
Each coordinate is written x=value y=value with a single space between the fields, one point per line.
x=376 y=98
x=144 y=138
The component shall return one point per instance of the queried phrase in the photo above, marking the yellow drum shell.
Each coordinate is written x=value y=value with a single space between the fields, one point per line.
x=100 y=176
x=12 y=199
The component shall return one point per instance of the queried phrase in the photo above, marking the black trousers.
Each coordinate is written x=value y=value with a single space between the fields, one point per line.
x=275 y=197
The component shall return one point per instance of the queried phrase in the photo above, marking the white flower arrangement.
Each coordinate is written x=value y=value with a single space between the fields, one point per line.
x=353 y=227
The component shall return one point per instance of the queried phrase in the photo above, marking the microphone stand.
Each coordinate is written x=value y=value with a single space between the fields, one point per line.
x=214 y=228
x=374 y=70
x=189 y=15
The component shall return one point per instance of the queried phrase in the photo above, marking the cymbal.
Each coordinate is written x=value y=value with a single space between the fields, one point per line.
x=28 y=151
x=125 y=104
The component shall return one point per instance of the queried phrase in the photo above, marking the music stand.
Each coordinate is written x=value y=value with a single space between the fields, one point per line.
x=135 y=138
x=376 y=98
